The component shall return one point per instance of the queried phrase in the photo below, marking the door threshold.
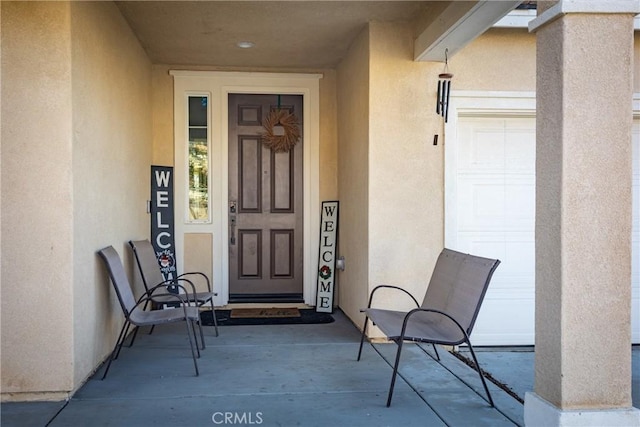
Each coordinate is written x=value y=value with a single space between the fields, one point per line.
x=266 y=298
x=233 y=305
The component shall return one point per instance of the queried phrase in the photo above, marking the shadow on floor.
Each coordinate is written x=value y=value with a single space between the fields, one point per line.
x=514 y=367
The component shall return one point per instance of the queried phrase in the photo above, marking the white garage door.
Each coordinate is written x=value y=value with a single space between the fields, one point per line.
x=491 y=212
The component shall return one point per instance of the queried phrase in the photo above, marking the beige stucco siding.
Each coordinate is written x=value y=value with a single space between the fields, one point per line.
x=111 y=158
x=76 y=152
x=328 y=136
x=353 y=175
x=500 y=59
x=405 y=168
x=390 y=173
x=505 y=60
x=37 y=199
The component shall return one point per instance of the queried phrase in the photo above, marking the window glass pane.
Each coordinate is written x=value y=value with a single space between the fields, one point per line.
x=198 y=159
x=197 y=111
x=198 y=135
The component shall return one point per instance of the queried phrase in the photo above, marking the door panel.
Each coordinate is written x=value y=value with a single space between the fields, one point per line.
x=250 y=176
x=265 y=211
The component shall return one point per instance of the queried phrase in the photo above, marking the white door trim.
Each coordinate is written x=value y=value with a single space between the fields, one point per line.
x=219 y=85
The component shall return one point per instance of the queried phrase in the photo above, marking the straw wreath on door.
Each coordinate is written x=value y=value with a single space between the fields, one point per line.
x=281 y=130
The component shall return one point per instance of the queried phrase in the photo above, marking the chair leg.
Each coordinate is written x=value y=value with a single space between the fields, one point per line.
x=395 y=371
x=215 y=321
x=133 y=338
x=154 y=306
x=364 y=331
x=484 y=383
x=436 y=350
x=201 y=333
x=124 y=337
x=195 y=337
x=116 y=348
x=193 y=353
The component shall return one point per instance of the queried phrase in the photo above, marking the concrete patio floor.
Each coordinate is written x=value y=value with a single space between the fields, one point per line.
x=287 y=375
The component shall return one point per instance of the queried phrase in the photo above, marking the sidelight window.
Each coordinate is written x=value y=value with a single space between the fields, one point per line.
x=198 y=130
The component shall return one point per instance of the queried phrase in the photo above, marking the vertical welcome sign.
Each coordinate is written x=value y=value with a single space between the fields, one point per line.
x=162 y=231
x=327 y=257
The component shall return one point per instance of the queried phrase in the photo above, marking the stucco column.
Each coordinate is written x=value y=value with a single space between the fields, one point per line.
x=583 y=215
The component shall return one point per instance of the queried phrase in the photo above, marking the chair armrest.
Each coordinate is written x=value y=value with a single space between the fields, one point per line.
x=431 y=310
x=199 y=274
x=147 y=298
x=390 y=287
x=173 y=282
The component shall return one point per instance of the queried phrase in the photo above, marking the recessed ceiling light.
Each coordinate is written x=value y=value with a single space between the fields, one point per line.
x=245 y=44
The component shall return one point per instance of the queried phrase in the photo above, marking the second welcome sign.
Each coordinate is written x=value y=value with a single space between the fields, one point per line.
x=327 y=257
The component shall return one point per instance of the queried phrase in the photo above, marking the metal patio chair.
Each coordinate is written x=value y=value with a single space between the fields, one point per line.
x=135 y=314
x=151 y=275
x=447 y=314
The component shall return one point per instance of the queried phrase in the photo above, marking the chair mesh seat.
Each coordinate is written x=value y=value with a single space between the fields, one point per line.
x=423 y=327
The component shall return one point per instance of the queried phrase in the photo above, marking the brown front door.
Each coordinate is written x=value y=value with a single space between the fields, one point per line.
x=265 y=204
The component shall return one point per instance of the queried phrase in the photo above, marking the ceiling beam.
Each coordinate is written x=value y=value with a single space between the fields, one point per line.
x=459 y=24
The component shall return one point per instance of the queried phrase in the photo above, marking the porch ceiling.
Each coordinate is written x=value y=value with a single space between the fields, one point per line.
x=287 y=34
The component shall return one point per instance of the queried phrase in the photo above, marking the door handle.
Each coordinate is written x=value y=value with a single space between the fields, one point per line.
x=232 y=222
x=232 y=226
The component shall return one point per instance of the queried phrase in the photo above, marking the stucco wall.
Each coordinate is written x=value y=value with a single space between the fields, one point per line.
x=406 y=199
x=353 y=175
x=77 y=148
x=112 y=150
x=500 y=59
x=505 y=59
x=37 y=198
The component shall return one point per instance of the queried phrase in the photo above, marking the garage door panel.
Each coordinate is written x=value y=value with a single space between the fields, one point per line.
x=493 y=202
x=516 y=312
x=484 y=150
x=516 y=252
x=506 y=145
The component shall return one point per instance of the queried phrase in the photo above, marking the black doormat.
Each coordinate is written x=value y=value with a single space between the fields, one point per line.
x=307 y=317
